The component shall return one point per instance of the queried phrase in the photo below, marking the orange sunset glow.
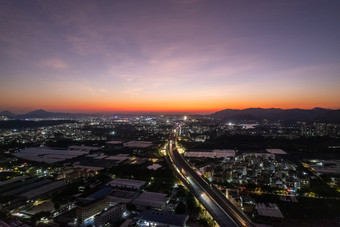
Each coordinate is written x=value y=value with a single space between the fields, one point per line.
x=174 y=56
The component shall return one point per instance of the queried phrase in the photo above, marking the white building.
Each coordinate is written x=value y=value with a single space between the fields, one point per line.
x=110 y=215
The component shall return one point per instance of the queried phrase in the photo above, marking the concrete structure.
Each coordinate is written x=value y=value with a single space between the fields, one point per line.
x=12 y=180
x=25 y=188
x=121 y=196
x=326 y=166
x=126 y=183
x=83 y=148
x=154 y=166
x=110 y=216
x=138 y=144
x=119 y=158
x=271 y=210
x=74 y=173
x=48 y=155
x=101 y=193
x=153 y=200
x=88 y=209
x=220 y=208
x=92 y=168
x=15 y=223
x=234 y=197
x=276 y=151
x=162 y=219
x=212 y=154
x=43 y=189
x=115 y=142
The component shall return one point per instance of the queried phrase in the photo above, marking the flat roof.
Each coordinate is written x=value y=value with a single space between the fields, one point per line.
x=126 y=183
x=140 y=144
x=152 y=199
x=164 y=217
x=124 y=194
x=14 y=179
x=270 y=210
x=84 y=148
x=47 y=154
x=100 y=193
x=154 y=166
x=119 y=158
x=43 y=189
x=28 y=187
x=276 y=151
x=114 y=142
x=212 y=154
x=100 y=157
x=93 y=168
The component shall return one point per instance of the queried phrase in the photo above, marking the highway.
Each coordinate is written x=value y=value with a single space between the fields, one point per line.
x=220 y=208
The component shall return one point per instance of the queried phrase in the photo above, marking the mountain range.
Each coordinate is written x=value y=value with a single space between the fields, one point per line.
x=316 y=114
x=40 y=114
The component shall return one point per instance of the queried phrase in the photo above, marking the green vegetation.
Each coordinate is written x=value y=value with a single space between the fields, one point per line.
x=8 y=175
x=3 y=215
x=161 y=180
x=207 y=221
x=320 y=188
x=36 y=217
x=192 y=205
x=65 y=194
x=181 y=208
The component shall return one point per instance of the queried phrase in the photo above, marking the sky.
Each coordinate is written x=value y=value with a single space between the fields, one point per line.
x=169 y=55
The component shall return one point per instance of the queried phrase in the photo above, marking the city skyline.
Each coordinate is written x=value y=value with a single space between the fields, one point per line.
x=169 y=56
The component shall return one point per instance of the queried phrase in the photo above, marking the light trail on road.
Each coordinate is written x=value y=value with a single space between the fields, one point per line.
x=222 y=210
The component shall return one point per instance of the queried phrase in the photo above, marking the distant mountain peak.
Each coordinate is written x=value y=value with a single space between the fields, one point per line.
x=319 y=108
x=315 y=114
x=7 y=113
x=39 y=111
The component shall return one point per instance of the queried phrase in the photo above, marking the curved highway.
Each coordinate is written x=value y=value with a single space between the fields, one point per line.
x=220 y=208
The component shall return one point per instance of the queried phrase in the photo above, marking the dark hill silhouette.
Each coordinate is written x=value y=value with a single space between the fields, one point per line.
x=316 y=114
x=7 y=114
x=41 y=114
x=45 y=114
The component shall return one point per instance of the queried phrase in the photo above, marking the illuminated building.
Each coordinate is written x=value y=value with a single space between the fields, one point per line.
x=88 y=209
x=111 y=215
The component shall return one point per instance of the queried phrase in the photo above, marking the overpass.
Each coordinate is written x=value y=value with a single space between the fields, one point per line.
x=219 y=207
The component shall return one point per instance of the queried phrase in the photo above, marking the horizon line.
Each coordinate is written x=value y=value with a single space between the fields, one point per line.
x=157 y=112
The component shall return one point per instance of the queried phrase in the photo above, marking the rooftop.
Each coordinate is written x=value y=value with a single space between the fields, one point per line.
x=212 y=154
x=139 y=144
x=126 y=183
x=168 y=218
x=276 y=151
x=152 y=199
x=48 y=155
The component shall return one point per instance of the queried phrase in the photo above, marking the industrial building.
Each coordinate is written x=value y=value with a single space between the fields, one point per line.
x=110 y=215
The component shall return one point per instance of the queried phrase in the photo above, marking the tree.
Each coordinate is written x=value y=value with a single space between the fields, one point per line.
x=56 y=206
x=180 y=208
x=39 y=215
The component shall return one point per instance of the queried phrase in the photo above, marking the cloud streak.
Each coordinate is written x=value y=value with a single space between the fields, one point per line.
x=54 y=63
x=199 y=53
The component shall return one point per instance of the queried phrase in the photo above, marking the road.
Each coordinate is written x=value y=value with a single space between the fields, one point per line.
x=220 y=208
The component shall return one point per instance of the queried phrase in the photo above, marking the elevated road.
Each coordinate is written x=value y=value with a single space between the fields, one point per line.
x=220 y=208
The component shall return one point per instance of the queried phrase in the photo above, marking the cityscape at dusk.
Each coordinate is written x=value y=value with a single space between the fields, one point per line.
x=159 y=56
x=169 y=113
